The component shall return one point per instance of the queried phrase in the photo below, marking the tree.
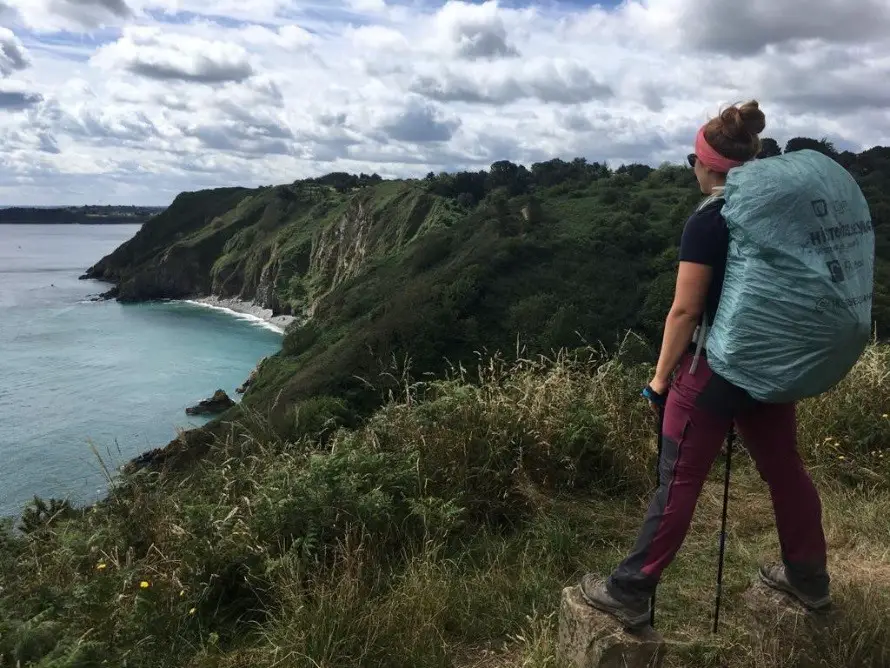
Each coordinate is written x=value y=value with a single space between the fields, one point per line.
x=466 y=200
x=511 y=176
x=551 y=173
x=769 y=148
x=821 y=145
x=557 y=172
x=472 y=183
x=636 y=171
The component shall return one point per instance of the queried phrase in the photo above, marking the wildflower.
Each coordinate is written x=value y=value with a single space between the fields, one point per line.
x=101 y=567
x=144 y=584
x=193 y=611
x=885 y=416
x=182 y=592
x=842 y=458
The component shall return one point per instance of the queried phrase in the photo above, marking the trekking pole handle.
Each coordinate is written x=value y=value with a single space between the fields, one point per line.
x=653 y=396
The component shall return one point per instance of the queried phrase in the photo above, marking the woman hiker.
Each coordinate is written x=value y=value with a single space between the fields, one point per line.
x=701 y=407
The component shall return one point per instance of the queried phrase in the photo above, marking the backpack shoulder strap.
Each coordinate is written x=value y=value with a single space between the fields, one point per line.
x=710 y=199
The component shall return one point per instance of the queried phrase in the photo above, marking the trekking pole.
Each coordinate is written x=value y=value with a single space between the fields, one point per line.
x=658 y=484
x=729 y=443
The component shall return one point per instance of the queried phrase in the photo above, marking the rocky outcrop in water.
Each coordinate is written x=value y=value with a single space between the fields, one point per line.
x=218 y=403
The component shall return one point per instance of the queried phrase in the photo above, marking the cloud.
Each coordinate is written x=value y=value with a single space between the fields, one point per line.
x=546 y=81
x=242 y=125
x=474 y=32
x=48 y=143
x=119 y=126
x=13 y=56
x=419 y=123
x=15 y=100
x=53 y=15
x=116 y=7
x=167 y=56
x=746 y=28
x=830 y=81
x=233 y=137
x=379 y=38
x=183 y=94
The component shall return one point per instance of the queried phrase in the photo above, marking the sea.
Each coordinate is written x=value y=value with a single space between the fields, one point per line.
x=87 y=385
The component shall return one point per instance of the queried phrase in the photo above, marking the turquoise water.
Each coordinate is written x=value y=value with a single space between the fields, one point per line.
x=75 y=372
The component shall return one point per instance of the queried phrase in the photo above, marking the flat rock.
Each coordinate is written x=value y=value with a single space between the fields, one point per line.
x=772 y=607
x=589 y=638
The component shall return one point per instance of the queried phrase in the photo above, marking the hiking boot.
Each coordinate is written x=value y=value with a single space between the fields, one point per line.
x=594 y=591
x=774 y=575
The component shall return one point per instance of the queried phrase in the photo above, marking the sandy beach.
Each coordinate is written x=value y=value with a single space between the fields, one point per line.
x=247 y=309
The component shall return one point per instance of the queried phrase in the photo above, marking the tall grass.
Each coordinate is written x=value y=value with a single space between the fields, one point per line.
x=439 y=533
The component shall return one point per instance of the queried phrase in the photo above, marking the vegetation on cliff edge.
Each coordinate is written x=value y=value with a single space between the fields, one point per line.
x=440 y=533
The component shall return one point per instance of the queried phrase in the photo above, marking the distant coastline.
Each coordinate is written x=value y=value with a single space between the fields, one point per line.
x=78 y=215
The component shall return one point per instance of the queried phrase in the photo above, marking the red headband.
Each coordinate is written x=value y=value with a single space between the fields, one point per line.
x=710 y=158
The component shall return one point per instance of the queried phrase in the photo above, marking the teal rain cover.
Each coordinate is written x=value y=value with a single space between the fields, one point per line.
x=795 y=313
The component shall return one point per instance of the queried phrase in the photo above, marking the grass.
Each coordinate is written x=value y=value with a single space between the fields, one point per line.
x=440 y=533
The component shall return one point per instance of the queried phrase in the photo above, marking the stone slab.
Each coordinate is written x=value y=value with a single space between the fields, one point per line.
x=589 y=638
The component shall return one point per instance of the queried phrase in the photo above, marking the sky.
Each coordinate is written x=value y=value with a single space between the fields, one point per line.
x=134 y=101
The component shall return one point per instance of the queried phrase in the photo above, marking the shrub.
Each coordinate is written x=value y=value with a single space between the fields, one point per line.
x=846 y=432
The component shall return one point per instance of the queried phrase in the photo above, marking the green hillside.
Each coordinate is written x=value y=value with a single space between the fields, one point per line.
x=428 y=273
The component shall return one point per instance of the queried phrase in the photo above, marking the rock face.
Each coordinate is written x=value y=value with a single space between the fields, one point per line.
x=181 y=451
x=591 y=639
x=218 y=403
x=247 y=383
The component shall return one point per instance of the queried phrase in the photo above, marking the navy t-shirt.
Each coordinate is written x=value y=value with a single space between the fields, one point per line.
x=705 y=240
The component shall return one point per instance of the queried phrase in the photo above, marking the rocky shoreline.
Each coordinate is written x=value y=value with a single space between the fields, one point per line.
x=276 y=322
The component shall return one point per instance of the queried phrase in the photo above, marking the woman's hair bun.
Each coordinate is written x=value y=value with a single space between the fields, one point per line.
x=743 y=122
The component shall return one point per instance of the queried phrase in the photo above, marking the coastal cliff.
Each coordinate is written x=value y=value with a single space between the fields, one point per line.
x=283 y=248
x=385 y=276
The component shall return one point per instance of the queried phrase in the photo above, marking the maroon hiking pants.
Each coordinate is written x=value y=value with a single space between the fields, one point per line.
x=700 y=410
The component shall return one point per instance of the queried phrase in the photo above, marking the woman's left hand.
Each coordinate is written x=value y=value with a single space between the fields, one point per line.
x=660 y=387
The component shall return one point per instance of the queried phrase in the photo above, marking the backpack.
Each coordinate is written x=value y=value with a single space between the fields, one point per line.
x=795 y=311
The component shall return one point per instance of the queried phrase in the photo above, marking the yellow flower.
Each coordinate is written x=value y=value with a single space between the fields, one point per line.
x=182 y=592
x=885 y=416
x=101 y=567
x=144 y=584
x=842 y=458
x=193 y=611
